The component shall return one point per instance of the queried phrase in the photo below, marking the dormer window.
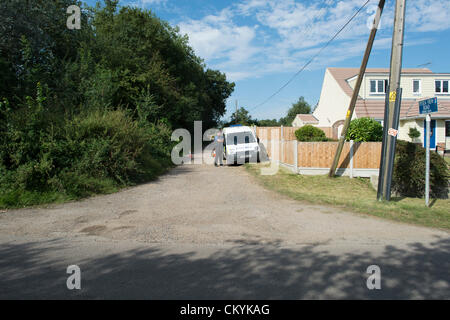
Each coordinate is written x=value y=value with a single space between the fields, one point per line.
x=417 y=87
x=378 y=86
x=441 y=86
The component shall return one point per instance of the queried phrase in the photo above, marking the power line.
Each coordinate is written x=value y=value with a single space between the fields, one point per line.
x=312 y=59
x=424 y=65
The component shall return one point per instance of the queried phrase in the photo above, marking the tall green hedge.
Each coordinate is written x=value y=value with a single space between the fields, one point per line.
x=94 y=151
x=409 y=172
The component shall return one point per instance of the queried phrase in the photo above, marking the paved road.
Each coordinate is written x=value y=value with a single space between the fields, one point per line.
x=202 y=232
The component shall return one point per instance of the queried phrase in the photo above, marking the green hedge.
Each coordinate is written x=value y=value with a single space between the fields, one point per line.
x=43 y=158
x=364 y=130
x=310 y=133
x=409 y=172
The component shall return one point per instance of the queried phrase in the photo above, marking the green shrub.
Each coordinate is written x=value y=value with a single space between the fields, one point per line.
x=93 y=152
x=413 y=133
x=409 y=172
x=310 y=133
x=365 y=129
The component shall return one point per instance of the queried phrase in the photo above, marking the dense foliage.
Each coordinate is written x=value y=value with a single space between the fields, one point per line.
x=310 y=133
x=243 y=117
x=299 y=107
x=90 y=110
x=268 y=123
x=409 y=171
x=364 y=130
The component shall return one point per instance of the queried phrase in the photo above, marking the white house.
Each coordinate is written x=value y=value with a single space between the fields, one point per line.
x=417 y=84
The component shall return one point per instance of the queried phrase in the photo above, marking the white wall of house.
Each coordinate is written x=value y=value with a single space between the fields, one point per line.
x=403 y=130
x=297 y=122
x=440 y=131
x=333 y=103
x=404 y=126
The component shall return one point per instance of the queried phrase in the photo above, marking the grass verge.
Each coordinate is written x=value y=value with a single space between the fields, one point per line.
x=14 y=199
x=354 y=194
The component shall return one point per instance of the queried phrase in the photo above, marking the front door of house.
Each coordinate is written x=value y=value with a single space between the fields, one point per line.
x=433 y=134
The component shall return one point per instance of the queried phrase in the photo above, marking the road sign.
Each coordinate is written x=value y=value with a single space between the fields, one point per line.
x=428 y=106
x=427 y=161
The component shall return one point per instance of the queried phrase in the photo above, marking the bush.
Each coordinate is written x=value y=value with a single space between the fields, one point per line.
x=365 y=129
x=409 y=172
x=310 y=133
x=96 y=151
x=413 y=133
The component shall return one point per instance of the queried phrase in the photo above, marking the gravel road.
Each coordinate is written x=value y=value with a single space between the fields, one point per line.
x=201 y=232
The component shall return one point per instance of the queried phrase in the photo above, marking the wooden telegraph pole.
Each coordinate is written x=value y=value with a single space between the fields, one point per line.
x=362 y=70
x=237 y=120
x=393 y=103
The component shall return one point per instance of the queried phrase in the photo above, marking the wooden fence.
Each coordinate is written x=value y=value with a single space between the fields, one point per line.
x=357 y=159
x=289 y=132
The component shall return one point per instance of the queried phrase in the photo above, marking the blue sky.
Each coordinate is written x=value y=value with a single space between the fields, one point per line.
x=260 y=44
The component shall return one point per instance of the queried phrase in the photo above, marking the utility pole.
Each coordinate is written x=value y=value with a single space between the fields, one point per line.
x=393 y=103
x=427 y=162
x=237 y=112
x=355 y=95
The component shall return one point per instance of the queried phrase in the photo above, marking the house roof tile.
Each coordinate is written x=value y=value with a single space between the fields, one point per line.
x=307 y=118
x=408 y=110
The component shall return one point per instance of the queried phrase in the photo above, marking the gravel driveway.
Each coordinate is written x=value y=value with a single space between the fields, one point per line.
x=206 y=232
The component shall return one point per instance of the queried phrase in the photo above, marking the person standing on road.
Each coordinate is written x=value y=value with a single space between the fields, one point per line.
x=218 y=139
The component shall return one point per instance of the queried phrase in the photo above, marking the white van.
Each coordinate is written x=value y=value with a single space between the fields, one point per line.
x=241 y=145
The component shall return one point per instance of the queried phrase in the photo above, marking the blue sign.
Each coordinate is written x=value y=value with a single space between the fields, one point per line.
x=428 y=106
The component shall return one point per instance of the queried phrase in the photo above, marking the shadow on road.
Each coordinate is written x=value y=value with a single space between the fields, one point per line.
x=243 y=271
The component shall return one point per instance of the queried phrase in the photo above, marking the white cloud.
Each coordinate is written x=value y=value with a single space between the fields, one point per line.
x=152 y=1
x=257 y=37
x=146 y=3
x=216 y=37
x=428 y=15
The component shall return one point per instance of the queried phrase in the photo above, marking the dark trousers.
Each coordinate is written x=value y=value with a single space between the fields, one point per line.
x=219 y=154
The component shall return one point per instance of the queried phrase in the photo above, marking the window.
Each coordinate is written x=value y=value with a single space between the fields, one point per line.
x=417 y=86
x=378 y=86
x=441 y=86
x=373 y=86
x=447 y=128
x=240 y=138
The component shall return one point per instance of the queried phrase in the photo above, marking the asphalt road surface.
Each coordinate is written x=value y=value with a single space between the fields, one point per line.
x=202 y=232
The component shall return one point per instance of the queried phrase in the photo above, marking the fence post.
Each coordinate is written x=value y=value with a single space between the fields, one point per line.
x=295 y=155
x=351 y=159
x=282 y=144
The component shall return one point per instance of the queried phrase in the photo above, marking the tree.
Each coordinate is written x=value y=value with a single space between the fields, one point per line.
x=365 y=129
x=142 y=52
x=36 y=47
x=241 y=116
x=300 y=107
x=267 y=123
x=84 y=109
